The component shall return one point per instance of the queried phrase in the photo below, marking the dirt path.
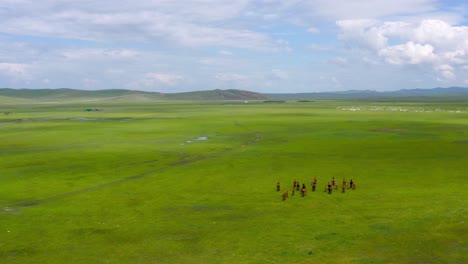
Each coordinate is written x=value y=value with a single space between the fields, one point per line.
x=57 y=197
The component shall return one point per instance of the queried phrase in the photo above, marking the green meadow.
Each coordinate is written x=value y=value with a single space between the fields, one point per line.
x=195 y=182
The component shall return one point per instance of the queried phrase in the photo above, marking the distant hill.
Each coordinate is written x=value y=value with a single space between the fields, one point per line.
x=451 y=92
x=64 y=94
x=217 y=95
x=120 y=94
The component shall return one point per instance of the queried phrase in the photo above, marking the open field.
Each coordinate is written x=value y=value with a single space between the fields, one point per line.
x=191 y=182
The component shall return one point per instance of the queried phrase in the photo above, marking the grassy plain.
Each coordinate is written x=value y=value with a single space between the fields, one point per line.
x=125 y=185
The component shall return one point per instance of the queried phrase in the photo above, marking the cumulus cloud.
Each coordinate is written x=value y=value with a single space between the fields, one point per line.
x=230 y=77
x=16 y=70
x=446 y=71
x=429 y=42
x=408 y=53
x=216 y=42
x=362 y=33
x=154 y=78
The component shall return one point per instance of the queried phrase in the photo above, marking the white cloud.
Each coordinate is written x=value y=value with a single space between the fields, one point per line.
x=230 y=77
x=446 y=71
x=154 y=78
x=89 y=82
x=191 y=23
x=320 y=47
x=338 y=9
x=429 y=42
x=16 y=70
x=80 y=54
x=279 y=74
x=340 y=61
x=313 y=30
x=362 y=32
x=225 y=53
x=409 y=53
x=215 y=43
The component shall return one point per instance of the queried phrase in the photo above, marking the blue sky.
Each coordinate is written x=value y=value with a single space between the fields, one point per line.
x=262 y=45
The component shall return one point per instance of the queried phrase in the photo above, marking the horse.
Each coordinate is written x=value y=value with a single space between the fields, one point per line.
x=285 y=195
x=314 y=181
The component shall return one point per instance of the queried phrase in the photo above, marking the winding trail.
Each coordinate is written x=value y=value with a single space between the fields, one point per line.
x=126 y=179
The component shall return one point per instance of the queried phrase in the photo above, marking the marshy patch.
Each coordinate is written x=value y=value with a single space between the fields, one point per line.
x=232 y=217
x=12 y=120
x=383 y=228
x=416 y=135
x=92 y=231
x=201 y=138
x=25 y=251
x=388 y=130
x=82 y=119
x=10 y=210
x=462 y=142
x=350 y=135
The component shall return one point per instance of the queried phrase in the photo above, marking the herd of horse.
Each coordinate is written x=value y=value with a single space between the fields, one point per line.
x=329 y=187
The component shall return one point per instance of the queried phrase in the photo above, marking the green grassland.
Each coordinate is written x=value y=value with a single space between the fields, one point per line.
x=135 y=183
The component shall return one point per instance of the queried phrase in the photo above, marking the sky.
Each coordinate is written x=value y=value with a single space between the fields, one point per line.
x=277 y=46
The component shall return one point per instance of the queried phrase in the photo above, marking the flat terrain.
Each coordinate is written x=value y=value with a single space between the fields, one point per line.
x=192 y=182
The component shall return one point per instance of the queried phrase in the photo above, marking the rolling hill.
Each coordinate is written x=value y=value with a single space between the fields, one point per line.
x=65 y=94
x=435 y=93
